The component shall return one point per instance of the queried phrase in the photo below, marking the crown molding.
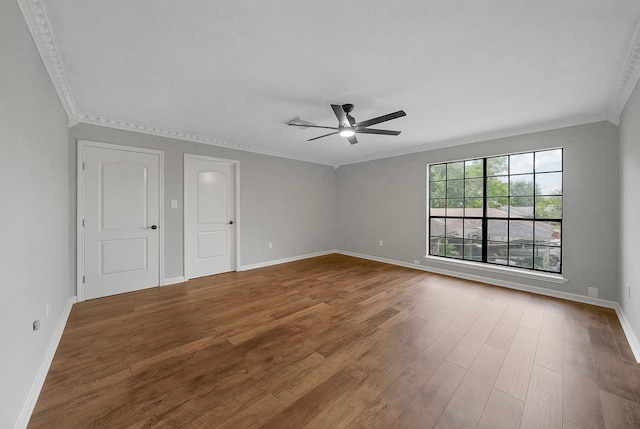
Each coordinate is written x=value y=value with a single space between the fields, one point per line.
x=37 y=19
x=588 y=118
x=204 y=139
x=187 y=136
x=628 y=78
x=39 y=25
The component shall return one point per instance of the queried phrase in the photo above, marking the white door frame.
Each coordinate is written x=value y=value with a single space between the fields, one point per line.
x=236 y=221
x=80 y=260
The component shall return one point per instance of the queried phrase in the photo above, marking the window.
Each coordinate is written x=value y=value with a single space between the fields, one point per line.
x=502 y=210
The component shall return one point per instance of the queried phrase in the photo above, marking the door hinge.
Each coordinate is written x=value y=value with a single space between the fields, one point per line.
x=83 y=223
x=82 y=279
x=83 y=165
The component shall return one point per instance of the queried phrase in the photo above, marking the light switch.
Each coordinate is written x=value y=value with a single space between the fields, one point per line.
x=174 y=204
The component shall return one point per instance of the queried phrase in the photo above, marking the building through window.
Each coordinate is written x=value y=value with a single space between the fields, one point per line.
x=502 y=210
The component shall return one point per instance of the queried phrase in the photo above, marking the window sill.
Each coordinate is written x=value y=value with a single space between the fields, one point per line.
x=548 y=277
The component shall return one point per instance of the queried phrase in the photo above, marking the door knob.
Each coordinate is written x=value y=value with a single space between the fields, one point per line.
x=154 y=227
x=230 y=222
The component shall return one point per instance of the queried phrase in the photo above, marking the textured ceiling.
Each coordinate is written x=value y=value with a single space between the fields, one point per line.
x=232 y=73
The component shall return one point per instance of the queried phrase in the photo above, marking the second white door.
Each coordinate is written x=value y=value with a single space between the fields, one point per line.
x=209 y=216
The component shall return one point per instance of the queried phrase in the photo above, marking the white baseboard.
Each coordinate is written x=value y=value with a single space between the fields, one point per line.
x=34 y=392
x=628 y=332
x=284 y=260
x=489 y=280
x=173 y=281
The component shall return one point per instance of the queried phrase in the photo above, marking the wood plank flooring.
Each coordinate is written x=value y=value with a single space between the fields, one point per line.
x=339 y=342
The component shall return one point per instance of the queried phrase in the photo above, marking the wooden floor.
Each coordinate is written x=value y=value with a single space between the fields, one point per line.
x=339 y=342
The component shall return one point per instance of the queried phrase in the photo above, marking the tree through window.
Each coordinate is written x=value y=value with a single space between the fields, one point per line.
x=503 y=210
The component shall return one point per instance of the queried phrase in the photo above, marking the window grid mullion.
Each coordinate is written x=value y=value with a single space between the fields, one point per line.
x=485 y=227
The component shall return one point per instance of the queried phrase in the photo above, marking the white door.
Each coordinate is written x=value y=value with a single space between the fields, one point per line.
x=121 y=205
x=209 y=216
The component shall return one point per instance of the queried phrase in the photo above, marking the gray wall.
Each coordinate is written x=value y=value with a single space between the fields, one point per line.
x=386 y=200
x=34 y=211
x=289 y=203
x=630 y=210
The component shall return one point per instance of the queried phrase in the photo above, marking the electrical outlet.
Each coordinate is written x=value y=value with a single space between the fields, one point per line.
x=417 y=262
x=380 y=243
x=592 y=292
x=270 y=245
x=36 y=325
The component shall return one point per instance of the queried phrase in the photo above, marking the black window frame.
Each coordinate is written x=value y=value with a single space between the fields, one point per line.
x=526 y=203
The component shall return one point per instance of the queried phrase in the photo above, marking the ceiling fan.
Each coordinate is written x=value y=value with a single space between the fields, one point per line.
x=348 y=127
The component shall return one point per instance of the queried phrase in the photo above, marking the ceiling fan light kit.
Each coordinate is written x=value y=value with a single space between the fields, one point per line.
x=347 y=125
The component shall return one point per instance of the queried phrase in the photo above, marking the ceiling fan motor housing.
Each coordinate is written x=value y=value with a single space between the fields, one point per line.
x=347 y=108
